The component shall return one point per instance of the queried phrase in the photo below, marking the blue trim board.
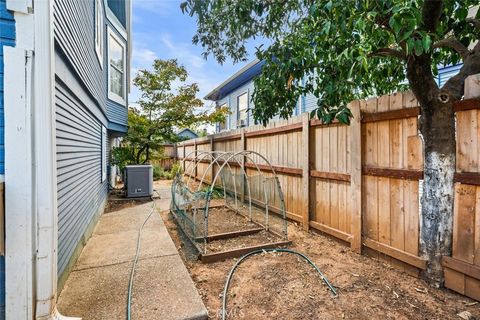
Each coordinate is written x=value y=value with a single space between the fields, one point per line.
x=240 y=80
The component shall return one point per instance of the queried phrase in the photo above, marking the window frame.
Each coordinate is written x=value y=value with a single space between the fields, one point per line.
x=99 y=31
x=112 y=95
x=239 y=125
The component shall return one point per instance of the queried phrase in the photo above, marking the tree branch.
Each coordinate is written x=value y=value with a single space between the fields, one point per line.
x=474 y=22
x=431 y=12
x=454 y=87
x=454 y=44
x=389 y=52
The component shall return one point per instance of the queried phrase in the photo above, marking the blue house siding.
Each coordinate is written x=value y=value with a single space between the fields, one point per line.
x=81 y=193
x=74 y=34
x=7 y=38
x=81 y=111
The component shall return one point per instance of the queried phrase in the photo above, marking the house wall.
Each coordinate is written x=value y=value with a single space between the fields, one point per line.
x=81 y=191
x=116 y=112
x=81 y=111
x=306 y=103
x=74 y=35
x=7 y=38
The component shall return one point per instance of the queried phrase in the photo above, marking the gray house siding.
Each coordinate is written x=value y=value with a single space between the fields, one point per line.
x=80 y=102
x=81 y=193
x=74 y=34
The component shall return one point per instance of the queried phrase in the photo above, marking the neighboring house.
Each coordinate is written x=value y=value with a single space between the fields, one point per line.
x=236 y=94
x=186 y=134
x=66 y=78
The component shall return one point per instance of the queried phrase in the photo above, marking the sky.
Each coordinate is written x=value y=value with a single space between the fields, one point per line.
x=160 y=30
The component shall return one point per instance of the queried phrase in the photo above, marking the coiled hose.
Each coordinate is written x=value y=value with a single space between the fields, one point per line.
x=132 y=272
x=227 y=284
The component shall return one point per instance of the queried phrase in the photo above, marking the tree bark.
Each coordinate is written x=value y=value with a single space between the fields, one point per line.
x=437 y=127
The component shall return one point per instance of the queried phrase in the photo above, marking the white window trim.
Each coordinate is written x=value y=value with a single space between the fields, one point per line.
x=104 y=154
x=111 y=95
x=99 y=23
x=238 y=110
x=114 y=21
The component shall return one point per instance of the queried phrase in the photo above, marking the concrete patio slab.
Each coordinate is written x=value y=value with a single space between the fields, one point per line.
x=97 y=288
x=113 y=248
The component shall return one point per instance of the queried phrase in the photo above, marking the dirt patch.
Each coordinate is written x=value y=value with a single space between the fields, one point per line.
x=262 y=237
x=281 y=286
x=116 y=201
x=221 y=220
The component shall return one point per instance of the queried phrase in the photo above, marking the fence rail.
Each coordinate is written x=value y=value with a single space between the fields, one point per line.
x=361 y=183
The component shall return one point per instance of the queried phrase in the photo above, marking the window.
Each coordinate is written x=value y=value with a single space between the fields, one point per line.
x=99 y=31
x=242 y=110
x=116 y=68
x=104 y=153
x=223 y=125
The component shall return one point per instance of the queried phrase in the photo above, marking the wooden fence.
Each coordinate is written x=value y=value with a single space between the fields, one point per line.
x=462 y=270
x=361 y=183
x=169 y=157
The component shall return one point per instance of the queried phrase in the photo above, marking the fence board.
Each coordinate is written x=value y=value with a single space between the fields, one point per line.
x=319 y=167
x=462 y=269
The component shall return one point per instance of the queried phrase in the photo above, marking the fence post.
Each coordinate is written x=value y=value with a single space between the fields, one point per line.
x=356 y=176
x=243 y=144
x=183 y=157
x=305 y=170
x=195 y=161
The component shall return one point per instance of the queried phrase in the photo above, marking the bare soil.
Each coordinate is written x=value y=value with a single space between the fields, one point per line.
x=262 y=237
x=283 y=286
x=116 y=201
x=221 y=220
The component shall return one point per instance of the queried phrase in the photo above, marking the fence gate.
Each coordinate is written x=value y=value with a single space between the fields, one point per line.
x=462 y=269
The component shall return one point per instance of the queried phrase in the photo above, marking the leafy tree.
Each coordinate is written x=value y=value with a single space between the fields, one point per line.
x=166 y=104
x=353 y=49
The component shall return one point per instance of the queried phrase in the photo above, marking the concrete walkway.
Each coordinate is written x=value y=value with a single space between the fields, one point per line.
x=97 y=287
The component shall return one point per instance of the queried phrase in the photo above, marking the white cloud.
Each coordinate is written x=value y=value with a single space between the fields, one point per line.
x=143 y=56
x=182 y=52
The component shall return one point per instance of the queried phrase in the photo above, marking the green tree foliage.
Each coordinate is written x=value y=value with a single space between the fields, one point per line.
x=337 y=50
x=166 y=104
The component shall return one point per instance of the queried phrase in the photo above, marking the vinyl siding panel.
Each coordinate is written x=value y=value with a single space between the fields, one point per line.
x=81 y=192
x=74 y=35
x=117 y=113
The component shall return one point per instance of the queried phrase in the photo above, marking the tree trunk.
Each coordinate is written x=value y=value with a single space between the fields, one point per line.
x=147 y=157
x=437 y=125
x=139 y=154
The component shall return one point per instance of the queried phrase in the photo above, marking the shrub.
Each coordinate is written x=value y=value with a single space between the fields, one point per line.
x=158 y=172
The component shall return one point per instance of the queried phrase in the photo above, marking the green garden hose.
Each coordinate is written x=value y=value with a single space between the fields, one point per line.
x=132 y=273
x=227 y=284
